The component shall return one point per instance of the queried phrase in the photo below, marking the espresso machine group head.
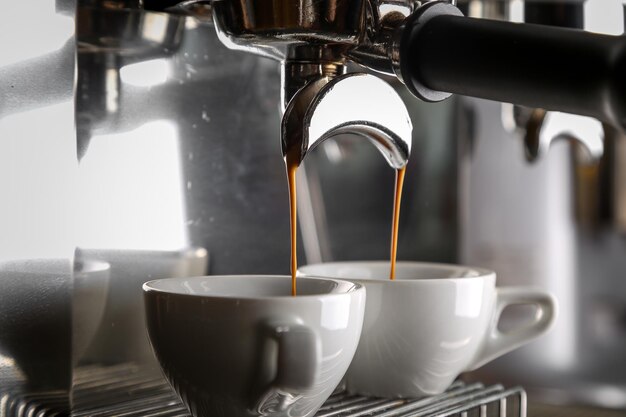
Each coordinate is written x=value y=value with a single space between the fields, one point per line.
x=313 y=42
x=429 y=45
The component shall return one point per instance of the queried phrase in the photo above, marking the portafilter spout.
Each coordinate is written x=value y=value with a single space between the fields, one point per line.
x=356 y=103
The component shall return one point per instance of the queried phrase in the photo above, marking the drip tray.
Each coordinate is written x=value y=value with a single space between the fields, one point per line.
x=126 y=390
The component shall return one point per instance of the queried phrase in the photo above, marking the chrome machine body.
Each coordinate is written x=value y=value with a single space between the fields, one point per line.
x=143 y=139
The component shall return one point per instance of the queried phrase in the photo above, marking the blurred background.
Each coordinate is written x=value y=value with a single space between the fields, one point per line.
x=135 y=146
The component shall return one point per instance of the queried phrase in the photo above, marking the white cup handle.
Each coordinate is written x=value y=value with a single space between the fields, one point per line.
x=498 y=343
x=296 y=358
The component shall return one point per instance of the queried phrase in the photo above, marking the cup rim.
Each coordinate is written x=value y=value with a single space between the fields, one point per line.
x=350 y=288
x=193 y=252
x=481 y=272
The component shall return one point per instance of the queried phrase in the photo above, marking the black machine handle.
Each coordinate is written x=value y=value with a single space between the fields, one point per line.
x=548 y=67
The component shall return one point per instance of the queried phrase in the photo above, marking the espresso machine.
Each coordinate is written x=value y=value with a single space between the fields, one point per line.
x=145 y=139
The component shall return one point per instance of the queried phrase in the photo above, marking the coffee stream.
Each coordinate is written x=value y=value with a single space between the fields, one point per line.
x=292 y=167
x=396 y=220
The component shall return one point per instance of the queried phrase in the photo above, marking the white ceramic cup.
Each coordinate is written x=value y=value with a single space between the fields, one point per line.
x=432 y=323
x=50 y=310
x=243 y=346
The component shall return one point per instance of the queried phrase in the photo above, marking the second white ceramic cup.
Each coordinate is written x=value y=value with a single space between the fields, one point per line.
x=432 y=323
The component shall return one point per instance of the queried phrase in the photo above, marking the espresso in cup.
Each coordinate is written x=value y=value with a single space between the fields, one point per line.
x=430 y=324
x=244 y=346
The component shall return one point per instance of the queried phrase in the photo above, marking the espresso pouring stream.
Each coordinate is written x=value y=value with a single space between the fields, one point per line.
x=292 y=167
x=396 y=220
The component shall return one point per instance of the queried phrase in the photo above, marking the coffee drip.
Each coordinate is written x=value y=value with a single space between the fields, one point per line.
x=292 y=168
x=396 y=220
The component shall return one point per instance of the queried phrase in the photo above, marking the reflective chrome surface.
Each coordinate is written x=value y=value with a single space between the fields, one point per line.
x=311 y=40
x=109 y=40
x=378 y=50
x=267 y=25
x=361 y=31
x=356 y=104
x=541 y=129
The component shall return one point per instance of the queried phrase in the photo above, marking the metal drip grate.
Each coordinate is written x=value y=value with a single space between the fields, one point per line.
x=127 y=391
x=16 y=400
